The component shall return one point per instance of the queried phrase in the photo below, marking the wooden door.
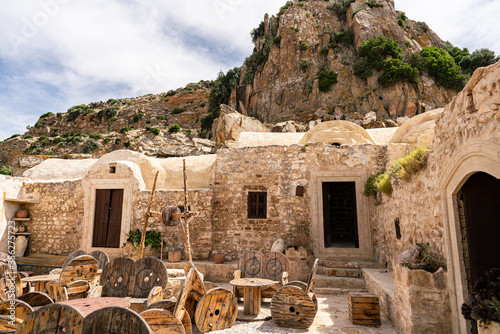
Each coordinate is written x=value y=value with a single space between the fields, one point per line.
x=340 y=221
x=481 y=194
x=108 y=218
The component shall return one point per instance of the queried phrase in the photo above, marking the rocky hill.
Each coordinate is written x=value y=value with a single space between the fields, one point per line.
x=310 y=42
x=164 y=125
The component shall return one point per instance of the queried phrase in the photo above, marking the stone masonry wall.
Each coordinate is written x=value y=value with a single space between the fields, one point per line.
x=200 y=225
x=277 y=170
x=56 y=223
x=417 y=205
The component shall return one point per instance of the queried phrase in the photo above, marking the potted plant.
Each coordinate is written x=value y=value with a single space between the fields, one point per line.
x=152 y=243
x=484 y=304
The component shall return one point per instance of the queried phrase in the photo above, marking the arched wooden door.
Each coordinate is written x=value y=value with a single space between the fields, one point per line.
x=481 y=201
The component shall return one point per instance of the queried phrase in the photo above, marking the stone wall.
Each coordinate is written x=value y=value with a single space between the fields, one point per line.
x=418 y=207
x=277 y=170
x=56 y=223
x=200 y=225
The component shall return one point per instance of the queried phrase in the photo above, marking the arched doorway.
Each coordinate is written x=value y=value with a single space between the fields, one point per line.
x=479 y=210
x=481 y=158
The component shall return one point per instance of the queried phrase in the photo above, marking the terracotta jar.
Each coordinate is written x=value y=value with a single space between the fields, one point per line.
x=219 y=258
x=22 y=214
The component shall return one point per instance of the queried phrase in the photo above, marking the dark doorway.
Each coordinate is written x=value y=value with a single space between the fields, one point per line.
x=481 y=199
x=107 y=218
x=340 y=219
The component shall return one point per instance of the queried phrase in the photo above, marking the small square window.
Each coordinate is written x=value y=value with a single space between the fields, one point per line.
x=257 y=205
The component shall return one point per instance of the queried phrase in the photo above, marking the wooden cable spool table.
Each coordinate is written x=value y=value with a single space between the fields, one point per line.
x=252 y=292
x=89 y=305
x=40 y=281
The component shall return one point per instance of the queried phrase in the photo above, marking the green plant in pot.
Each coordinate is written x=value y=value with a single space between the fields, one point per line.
x=484 y=304
x=152 y=238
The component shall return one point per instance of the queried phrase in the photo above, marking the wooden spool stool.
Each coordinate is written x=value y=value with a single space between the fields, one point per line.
x=292 y=307
x=216 y=310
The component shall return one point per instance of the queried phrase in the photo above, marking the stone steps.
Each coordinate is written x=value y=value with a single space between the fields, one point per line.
x=347 y=264
x=323 y=281
x=335 y=291
x=339 y=272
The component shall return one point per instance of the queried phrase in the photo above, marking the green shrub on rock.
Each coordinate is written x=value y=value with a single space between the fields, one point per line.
x=326 y=79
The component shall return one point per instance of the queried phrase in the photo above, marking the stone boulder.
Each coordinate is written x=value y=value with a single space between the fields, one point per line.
x=288 y=126
x=369 y=120
x=228 y=126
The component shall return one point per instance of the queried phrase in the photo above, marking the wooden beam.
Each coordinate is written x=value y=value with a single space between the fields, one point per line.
x=146 y=219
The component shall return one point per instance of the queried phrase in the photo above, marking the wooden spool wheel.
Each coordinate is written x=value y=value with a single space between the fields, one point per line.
x=303 y=286
x=53 y=319
x=101 y=257
x=253 y=264
x=170 y=306
x=312 y=277
x=115 y=277
x=73 y=256
x=217 y=310
x=56 y=291
x=292 y=307
x=35 y=299
x=21 y=311
x=115 y=320
x=163 y=322
x=149 y=272
x=166 y=216
x=275 y=264
x=6 y=283
x=81 y=268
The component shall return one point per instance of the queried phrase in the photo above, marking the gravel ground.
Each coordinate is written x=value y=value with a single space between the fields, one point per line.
x=332 y=317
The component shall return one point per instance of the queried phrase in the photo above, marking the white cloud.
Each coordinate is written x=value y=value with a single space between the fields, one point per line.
x=465 y=23
x=68 y=52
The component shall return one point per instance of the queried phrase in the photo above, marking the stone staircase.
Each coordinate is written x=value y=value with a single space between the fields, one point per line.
x=337 y=277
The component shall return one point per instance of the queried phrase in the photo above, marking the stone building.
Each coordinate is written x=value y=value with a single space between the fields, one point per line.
x=251 y=194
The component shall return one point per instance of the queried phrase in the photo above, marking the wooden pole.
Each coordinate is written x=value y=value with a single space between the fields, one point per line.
x=185 y=225
x=146 y=219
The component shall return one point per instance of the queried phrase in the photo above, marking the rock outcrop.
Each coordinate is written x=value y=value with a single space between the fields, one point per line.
x=287 y=87
x=228 y=126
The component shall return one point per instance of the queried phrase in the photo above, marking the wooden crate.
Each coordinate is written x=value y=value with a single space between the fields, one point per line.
x=364 y=309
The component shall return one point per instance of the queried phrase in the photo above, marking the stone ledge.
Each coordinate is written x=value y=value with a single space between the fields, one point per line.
x=382 y=285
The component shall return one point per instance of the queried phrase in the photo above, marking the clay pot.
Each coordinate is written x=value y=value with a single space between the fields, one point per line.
x=21 y=229
x=22 y=214
x=219 y=258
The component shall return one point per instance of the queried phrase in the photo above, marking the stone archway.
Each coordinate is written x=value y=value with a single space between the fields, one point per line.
x=473 y=158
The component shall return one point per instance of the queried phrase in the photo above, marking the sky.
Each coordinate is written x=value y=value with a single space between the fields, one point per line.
x=58 y=53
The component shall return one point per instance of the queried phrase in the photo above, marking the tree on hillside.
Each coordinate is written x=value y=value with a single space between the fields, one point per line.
x=478 y=58
x=220 y=94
